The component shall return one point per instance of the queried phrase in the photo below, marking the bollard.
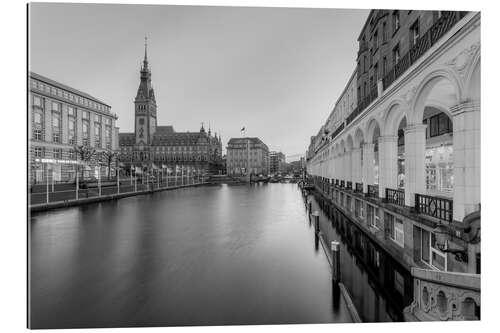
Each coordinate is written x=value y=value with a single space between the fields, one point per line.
x=316 y=221
x=335 y=248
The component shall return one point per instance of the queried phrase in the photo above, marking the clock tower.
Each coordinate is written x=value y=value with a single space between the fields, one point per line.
x=145 y=105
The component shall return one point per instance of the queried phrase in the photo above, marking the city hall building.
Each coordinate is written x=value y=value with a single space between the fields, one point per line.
x=61 y=119
x=151 y=146
x=247 y=155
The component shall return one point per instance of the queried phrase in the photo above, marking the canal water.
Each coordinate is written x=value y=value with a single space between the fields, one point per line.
x=210 y=255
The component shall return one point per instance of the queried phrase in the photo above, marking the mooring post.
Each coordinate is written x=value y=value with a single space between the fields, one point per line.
x=335 y=248
x=316 y=221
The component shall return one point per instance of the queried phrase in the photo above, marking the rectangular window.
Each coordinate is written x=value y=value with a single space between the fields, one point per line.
x=71 y=111
x=85 y=115
x=395 y=20
x=372 y=216
x=384 y=32
x=426 y=246
x=399 y=283
x=375 y=40
x=57 y=153
x=438 y=258
x=38 y=151
x=37 y=134
x=56 y=107
x=38 y=101
x=384 y=65
x=395 y=55
x=414 y=32
x=395 y=229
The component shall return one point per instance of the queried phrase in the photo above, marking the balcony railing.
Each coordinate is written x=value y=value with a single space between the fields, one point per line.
x=348 y=185
x=396 y=197
x=372 y=191
x=359 y=187
x=440 y=208
x=425 y=42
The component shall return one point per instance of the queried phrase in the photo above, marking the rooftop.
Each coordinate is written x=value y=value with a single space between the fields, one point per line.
x=65 y=87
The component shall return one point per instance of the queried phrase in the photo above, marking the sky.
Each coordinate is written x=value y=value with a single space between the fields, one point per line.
x=275 y=71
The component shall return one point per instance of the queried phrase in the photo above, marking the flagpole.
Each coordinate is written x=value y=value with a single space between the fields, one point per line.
x=118 y=178
x=77 y=185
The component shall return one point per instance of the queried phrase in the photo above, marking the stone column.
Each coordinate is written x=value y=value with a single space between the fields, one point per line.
x=48 y=120
x=348 y=166
x=466 y=159
x=79 y=127
x=388 y=163
x=64 y=123
x=368 y=172
x=415 y=162
x=356 y=166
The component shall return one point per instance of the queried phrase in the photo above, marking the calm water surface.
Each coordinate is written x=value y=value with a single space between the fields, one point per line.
x=199 y=256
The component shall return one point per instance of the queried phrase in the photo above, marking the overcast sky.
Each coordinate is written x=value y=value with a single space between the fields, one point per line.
x=276 y=71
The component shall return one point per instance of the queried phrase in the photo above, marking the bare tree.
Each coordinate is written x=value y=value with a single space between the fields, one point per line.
x=84 y=154
x=107 y=157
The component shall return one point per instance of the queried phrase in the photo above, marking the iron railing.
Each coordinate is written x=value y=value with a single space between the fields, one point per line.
x=424 y=43
x=359 y=187
x=396 y=197
x=440 y=208
x=348 y=185
x=342 y=183
x=372 y=191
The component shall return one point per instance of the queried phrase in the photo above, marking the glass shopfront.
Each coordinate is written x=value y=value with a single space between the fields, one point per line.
x=439 y=169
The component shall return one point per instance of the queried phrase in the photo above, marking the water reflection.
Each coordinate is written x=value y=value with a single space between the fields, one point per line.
x=202 y=256
x=379 y=285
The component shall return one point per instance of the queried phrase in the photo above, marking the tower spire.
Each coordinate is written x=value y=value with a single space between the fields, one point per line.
x=145 y=53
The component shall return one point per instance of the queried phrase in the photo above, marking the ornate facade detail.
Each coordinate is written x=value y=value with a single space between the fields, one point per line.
x=462 y=61
x=444 y=296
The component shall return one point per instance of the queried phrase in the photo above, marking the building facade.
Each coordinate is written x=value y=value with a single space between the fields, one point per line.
x=247 y=155
x=152 y=146
x=64 y=121
x=406 y=161
x=276 y=162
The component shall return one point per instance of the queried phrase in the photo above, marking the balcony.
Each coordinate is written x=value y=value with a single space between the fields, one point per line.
x=372 y=191
x=342 y=184
x=396 y=197
x=372 y=95
x=359 y=188
x=348 y=185
x=437 y=207
x=424 y=43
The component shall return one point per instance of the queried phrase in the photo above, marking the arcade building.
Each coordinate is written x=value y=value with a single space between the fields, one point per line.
x=151 y=146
